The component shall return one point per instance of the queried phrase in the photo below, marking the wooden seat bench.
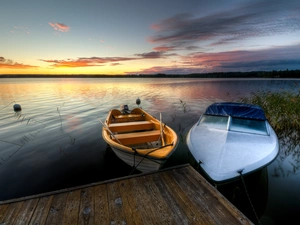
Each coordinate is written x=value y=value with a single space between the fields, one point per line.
x=131 y=117
x=138 y=137
x=131 y=126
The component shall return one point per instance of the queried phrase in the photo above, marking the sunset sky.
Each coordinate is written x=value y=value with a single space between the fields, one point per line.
x=148 y=36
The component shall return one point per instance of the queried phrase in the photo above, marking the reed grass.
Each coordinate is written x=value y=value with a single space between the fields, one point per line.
x=179 y=109
x=282 y=110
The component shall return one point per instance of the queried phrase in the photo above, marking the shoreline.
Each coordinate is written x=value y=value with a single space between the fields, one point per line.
x=254 y=74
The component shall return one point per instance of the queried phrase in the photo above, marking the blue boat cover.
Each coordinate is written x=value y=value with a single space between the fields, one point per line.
x=235 y=109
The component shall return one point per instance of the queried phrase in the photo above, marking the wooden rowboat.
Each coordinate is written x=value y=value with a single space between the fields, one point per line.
x=139 y=139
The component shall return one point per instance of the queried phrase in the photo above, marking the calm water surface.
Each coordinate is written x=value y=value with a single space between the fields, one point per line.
x=55 y=141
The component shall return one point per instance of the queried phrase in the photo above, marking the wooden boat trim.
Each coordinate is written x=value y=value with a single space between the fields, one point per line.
x=131 y=126
x=138 y=137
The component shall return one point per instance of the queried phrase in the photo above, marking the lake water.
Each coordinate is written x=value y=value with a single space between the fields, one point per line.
x=55 y=142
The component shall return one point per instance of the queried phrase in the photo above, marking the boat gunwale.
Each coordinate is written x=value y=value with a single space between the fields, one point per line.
x=150 y=153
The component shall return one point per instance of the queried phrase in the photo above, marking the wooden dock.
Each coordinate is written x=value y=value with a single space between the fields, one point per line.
x=178 y=195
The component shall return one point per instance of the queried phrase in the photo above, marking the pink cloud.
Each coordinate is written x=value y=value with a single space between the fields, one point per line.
x=163 y=48
x=59 y=27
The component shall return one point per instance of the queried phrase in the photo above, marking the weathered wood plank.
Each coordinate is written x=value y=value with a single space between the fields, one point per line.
x=203 y=200
x=3 y=210
x=207 y=197
x=176 y=209
x=26 y=212
x=57 y=207
x=130 y=205
x=185 y=202
x=173 y=196
x=70 y=216
x=162 y=210
x=42 y=210
x=101 y=205
x=188 y=213
x=143 y=201
x=87 y=203
x=222 y=207
x=151 y=205
x=11 y=212
x=115 y=204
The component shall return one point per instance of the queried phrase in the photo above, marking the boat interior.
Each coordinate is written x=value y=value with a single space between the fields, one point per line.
x=134 y=129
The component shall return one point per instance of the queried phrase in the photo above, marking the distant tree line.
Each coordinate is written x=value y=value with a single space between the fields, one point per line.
x=253 y=74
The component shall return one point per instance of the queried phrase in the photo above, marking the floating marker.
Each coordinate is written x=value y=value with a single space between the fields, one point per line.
x=138 y=101
x=17 y=107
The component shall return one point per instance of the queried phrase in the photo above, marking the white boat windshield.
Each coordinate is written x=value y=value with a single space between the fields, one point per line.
x=234 y=124
x=248 y=126
x=217 y=122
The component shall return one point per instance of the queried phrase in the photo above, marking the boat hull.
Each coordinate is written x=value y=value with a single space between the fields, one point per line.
x=139 y=139
x=141 y=163
x=225 y=155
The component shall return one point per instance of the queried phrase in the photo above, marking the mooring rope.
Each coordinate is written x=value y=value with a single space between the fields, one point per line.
x=248 y=196
x=144 y=156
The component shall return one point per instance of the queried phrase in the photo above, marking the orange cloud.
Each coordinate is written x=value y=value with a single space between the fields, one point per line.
x=59 y=27
x=9 y=64
x=87 y=62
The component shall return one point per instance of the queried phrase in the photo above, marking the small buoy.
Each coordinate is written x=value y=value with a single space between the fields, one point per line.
x=17 y=107
x=138 y=101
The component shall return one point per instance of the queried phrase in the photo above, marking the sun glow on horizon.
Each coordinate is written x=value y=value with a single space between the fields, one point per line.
x=189 y=38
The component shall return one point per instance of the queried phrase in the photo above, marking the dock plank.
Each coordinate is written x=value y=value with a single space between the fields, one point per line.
x=70 y=216
x=42 y=210
x=87 y=203
x=130 y=204
x=143 y=201
x=167 y=194
x=222 y=201
x=207 y=197
x=10 y=213
x=56 y=212
x=162 y=211
x=115 y=204
x=101 y=205
x=3 y=211
x=26 y=212
x=178 y=195
x=200 y=196
x=188 y=205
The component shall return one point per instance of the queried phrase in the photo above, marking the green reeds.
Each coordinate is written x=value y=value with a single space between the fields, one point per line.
x=183 y=109
x=282 y=110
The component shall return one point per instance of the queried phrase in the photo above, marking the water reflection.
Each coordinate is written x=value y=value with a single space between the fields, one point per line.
x=288 y=161
x=55 y=141
x=250 y=195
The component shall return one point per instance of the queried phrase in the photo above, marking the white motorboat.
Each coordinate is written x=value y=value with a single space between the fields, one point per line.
x=232 y=139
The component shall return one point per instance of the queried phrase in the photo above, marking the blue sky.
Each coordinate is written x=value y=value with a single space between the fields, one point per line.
x=140 y=36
